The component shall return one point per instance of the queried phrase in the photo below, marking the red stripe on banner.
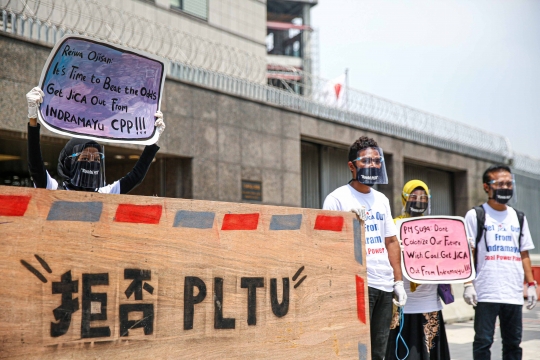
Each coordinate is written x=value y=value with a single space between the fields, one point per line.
x=13 y=205
x=331 y=223
x=139 y=214
x=360 y=299
x=240 y=222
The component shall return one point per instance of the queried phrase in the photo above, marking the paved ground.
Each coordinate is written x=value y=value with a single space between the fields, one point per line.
x=460 y=337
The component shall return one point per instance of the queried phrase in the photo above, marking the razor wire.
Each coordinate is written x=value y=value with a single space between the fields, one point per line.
x=48 y=20
x=379 y=115
x=193 y=60
x=526 y=165
x=417 y=125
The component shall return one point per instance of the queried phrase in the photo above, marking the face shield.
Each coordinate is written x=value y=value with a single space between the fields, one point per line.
x=87 y=166
x=370 y=166
x=418 y=203
x=503 y=188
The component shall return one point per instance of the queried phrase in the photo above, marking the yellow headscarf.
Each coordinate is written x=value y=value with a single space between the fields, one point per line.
x=408 y=188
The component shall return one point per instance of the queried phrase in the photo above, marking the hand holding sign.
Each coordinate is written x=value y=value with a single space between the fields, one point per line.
x=102 y=92
x=435 y=250
x=159 y=124
x=34 y=98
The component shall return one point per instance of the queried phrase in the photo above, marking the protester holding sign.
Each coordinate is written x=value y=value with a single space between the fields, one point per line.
x=502 y=240
x=81 y=164
x=366 y=163
x=422 y=327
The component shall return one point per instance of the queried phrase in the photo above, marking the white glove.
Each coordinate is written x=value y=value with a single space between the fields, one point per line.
x=34 y=98
x=361 y=212
x=532 y=298
x=399 y=290
x=469 y=295
x=159 y=124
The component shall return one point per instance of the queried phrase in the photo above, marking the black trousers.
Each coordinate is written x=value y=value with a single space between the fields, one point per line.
x=511 y=320
x=380 y=315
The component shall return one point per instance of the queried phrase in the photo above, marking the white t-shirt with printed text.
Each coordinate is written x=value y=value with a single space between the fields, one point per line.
x=379 y=225
x=424 y=299
x=499 y=271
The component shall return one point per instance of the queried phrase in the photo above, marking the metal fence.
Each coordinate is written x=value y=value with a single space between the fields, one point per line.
x=48 y=20
x=527 y=166
x=377 y=114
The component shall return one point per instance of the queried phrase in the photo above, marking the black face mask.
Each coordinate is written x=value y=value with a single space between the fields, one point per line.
x=86 y=175
x=416 y=208
x=502 y=196
x=368 y=176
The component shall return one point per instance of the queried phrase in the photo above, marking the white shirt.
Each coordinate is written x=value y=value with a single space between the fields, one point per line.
x=499 y=271
x=424 y=300
x=379 y=225
x=113 y=188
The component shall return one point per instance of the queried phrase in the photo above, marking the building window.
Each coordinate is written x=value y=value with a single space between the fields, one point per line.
x=198 y=8
x=324 y=169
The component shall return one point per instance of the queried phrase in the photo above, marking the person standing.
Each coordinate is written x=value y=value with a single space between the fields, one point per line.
x=423 y=326
x=502 y=241
x=366 y=163
x=81 y=163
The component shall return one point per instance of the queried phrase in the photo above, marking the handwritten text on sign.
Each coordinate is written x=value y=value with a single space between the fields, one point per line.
x=435 y=250
x=101 y=91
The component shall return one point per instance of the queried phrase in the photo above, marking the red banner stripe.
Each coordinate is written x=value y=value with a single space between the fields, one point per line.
x=139 y=214
x=360 y=299
x=13 y=205
x=240 y=222
x=331 y=223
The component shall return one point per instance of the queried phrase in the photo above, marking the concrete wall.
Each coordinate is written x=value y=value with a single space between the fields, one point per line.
x=233 y=34
x=230 y=138
x=237 y=23
x=467 y=171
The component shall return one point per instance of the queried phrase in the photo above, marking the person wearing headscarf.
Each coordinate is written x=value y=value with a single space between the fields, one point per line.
x=81 y=163
x=415 y=198
x=423 y=327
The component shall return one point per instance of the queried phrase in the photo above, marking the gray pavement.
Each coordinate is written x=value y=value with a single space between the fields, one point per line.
x=461 y=335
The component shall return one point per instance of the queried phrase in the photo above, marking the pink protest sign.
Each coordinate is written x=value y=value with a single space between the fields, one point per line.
x=101 y=91
x=435 y=250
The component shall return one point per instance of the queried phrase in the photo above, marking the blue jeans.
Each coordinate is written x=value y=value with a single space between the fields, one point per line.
x=510 y=317
x=380 y=316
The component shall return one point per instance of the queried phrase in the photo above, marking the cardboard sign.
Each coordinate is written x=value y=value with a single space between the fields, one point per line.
x=88 y=275
x=100 y=91
x=435 y=250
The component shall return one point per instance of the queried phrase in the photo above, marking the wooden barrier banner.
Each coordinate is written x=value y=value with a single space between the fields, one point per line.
x=88 y=275
x=435 y=250
x=101 y=91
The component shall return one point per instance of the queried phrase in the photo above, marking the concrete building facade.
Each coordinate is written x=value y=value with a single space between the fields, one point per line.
x=227 y=139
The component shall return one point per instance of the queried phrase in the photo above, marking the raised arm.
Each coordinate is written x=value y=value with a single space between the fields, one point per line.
x=136 y=176
x=36 y=166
